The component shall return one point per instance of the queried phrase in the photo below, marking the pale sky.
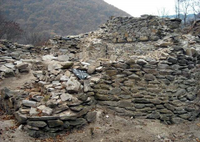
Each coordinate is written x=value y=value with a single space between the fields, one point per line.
x=140 y=7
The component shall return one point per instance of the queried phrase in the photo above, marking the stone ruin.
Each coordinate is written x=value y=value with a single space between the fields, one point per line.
x=136 y=67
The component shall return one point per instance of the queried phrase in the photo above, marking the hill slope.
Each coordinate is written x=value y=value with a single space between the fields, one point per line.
x=59 y=16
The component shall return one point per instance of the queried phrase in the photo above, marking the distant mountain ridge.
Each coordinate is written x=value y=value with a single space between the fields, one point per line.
x=62 y=17
x=189 y=16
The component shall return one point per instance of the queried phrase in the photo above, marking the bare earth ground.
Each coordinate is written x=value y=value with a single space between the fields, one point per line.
x=16 y=82
x=111 y=128
x=107 y=127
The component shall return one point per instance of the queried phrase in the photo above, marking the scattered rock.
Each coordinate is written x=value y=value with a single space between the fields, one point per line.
x=10 y=65
x=54 y=66
x=87 y=86
x=95 y=79
x=154 y=115
x=77 y=108
x=91 y=116
x=73 y=85
x=20 y=117
x=45 y=110
x=78 y=122
x=149 y=77
x=22 y=66
x=66 y=97
x=80 y=74
x=48 y=58
x=143 y=38
x=29 y=103
x=39 y=124
x=141 y=62
x=63 y=58
x=55 y=123
x=64 y=78
x=67 y=65
x=33 y=111
x=91 y=69
x=8 y=72
x=177 y=120
x=134 y=76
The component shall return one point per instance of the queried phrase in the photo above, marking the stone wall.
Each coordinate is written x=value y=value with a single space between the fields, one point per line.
x=65 y=48
x=145 y=28
x=14 y=58
x=157 y=89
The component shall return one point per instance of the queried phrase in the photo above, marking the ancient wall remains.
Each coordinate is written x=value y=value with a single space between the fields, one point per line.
x=146 y=88
x=145 y=28
x=158 y=79
x=12 y=58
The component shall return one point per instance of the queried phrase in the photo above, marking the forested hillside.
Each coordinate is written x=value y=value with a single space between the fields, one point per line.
x=62 y=17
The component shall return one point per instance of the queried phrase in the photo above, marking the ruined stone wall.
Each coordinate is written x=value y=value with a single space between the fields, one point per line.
x=65 y=48
x=165 y=89
x=145 y=28
x=55 y=101
x=157 y=89
x=45 y=108
x=14 y=58
x=119 y=38
x=155 y=79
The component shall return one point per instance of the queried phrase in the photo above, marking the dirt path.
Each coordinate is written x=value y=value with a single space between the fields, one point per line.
x=16 y=82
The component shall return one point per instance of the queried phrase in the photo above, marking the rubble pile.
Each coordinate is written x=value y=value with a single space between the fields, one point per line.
x=56 y=100
x=195 y=28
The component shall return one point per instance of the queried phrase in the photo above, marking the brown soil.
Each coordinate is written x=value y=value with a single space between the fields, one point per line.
x=16 y=82
x=111 y=128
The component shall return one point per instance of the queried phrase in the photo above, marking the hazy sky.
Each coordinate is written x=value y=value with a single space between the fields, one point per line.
x=140 y=7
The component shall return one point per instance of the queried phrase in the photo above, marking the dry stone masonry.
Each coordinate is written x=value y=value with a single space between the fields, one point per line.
x=143 y=87
x=145 y=28
x=136 y=67
x=14 y=58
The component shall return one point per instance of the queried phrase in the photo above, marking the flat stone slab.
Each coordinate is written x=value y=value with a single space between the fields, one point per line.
x=39 y=124
x=29 y=103
x=43 y=118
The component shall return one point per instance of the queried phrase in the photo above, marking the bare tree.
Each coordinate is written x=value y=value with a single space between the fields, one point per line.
x=2 y=26
x=195 y=6
x=163 y=12
x=177 y=8
x=9 y=29
x=184 y=9
x=35 y=38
